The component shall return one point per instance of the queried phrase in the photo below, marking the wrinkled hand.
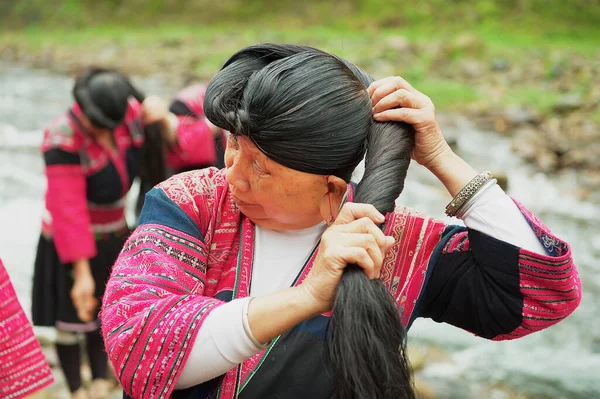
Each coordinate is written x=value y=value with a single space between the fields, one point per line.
x=353 y=238
x=82 y=295
x=154 y=109
x=394 y=99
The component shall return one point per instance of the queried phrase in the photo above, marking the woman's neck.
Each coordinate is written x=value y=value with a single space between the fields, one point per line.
x=106 y=138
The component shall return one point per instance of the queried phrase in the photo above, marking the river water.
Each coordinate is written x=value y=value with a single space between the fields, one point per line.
x=560 y=362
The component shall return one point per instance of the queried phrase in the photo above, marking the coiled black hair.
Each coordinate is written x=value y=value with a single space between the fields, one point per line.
x=309 y=110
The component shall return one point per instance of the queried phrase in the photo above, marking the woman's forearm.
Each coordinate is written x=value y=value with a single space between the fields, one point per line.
x=220 y=345
x=222 y=341
x=172 y=124
x=494 y=213
x=273 y=314
x=452 y=171
x=81 y=267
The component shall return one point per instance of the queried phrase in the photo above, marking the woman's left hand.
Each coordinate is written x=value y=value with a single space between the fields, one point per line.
x=154 y=109
x=394 y=99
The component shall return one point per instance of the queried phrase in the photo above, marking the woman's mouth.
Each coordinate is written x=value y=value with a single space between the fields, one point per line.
x=240 y=202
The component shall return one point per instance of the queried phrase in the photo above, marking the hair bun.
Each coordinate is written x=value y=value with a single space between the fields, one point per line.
x=238 y=121
x=102 y=95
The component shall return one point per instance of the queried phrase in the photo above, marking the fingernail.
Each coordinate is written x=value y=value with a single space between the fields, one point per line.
x=380 y=217
x=391 y=241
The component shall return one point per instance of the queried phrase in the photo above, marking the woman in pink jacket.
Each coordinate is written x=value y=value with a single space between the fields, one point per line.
x=23 y=367
x=200 y=143
x=92 y=154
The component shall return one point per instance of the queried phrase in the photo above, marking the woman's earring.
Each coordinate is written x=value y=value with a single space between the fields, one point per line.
x=331 y=219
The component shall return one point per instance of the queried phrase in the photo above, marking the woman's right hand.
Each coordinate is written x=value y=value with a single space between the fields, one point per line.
x=353 y=238
x=82 y=293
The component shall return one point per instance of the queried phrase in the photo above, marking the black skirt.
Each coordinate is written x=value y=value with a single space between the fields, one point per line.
x=52 y=282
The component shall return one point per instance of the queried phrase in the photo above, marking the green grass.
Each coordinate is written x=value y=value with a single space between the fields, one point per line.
x=365 y=36
x=533 y=97
x=596 y=115
x=508 y=40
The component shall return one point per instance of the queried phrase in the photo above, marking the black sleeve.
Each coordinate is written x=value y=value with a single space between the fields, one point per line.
x=57 y=156
x=477 y=289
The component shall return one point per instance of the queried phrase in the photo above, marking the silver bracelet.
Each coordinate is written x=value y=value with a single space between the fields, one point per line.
x=471 y=201
x=468 y=192
x=247 y=329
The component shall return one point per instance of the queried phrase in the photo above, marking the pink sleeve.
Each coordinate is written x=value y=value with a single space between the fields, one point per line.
x=67 y=203
x=155 y=301
x=479 y=282
x=406 y=264
x=550 y=282
x=195 y=144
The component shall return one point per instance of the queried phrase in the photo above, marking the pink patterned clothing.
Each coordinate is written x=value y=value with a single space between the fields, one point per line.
x=197 y=145
x=193 y=251
x=23 y=367
x=85 y=209
x=87 y=182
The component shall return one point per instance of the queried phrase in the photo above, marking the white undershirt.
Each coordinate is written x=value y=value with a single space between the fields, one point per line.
x=279 y=256
x=222 y=341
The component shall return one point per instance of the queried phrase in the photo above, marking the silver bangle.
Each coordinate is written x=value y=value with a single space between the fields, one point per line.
x=247 y=329
x=471 y=201
x=468 y=192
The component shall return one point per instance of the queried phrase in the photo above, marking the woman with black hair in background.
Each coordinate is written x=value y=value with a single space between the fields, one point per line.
x=200 y=144
x=92 y=154
x=209 y=140
x=277 y=277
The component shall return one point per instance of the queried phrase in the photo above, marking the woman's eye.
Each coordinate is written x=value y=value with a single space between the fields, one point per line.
x=258 y=168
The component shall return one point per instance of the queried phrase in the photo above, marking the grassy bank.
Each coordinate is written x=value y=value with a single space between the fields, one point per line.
x=457 y=68
x=464 y=52
x=527 y=68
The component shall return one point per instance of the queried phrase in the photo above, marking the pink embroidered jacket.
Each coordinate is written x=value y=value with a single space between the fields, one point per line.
x=23 y=367
x=193 y=251
x=88 y=182
x=198 y=146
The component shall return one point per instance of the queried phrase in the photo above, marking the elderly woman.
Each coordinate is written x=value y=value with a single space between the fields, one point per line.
x=225 y=288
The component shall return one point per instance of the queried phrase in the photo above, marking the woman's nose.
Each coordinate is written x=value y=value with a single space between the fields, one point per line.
x=235 y=176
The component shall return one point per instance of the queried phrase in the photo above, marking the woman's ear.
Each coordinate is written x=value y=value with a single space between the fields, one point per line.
x=335 y=189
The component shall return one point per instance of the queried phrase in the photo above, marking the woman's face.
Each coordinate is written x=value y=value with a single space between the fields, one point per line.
x=93 y=129
x=270 y=194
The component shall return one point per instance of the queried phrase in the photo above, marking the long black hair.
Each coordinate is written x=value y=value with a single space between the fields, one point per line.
x=309 y=110
x=153 y=162
x=103 y=95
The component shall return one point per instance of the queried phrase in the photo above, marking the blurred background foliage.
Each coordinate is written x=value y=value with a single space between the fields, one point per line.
x=569 y=14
